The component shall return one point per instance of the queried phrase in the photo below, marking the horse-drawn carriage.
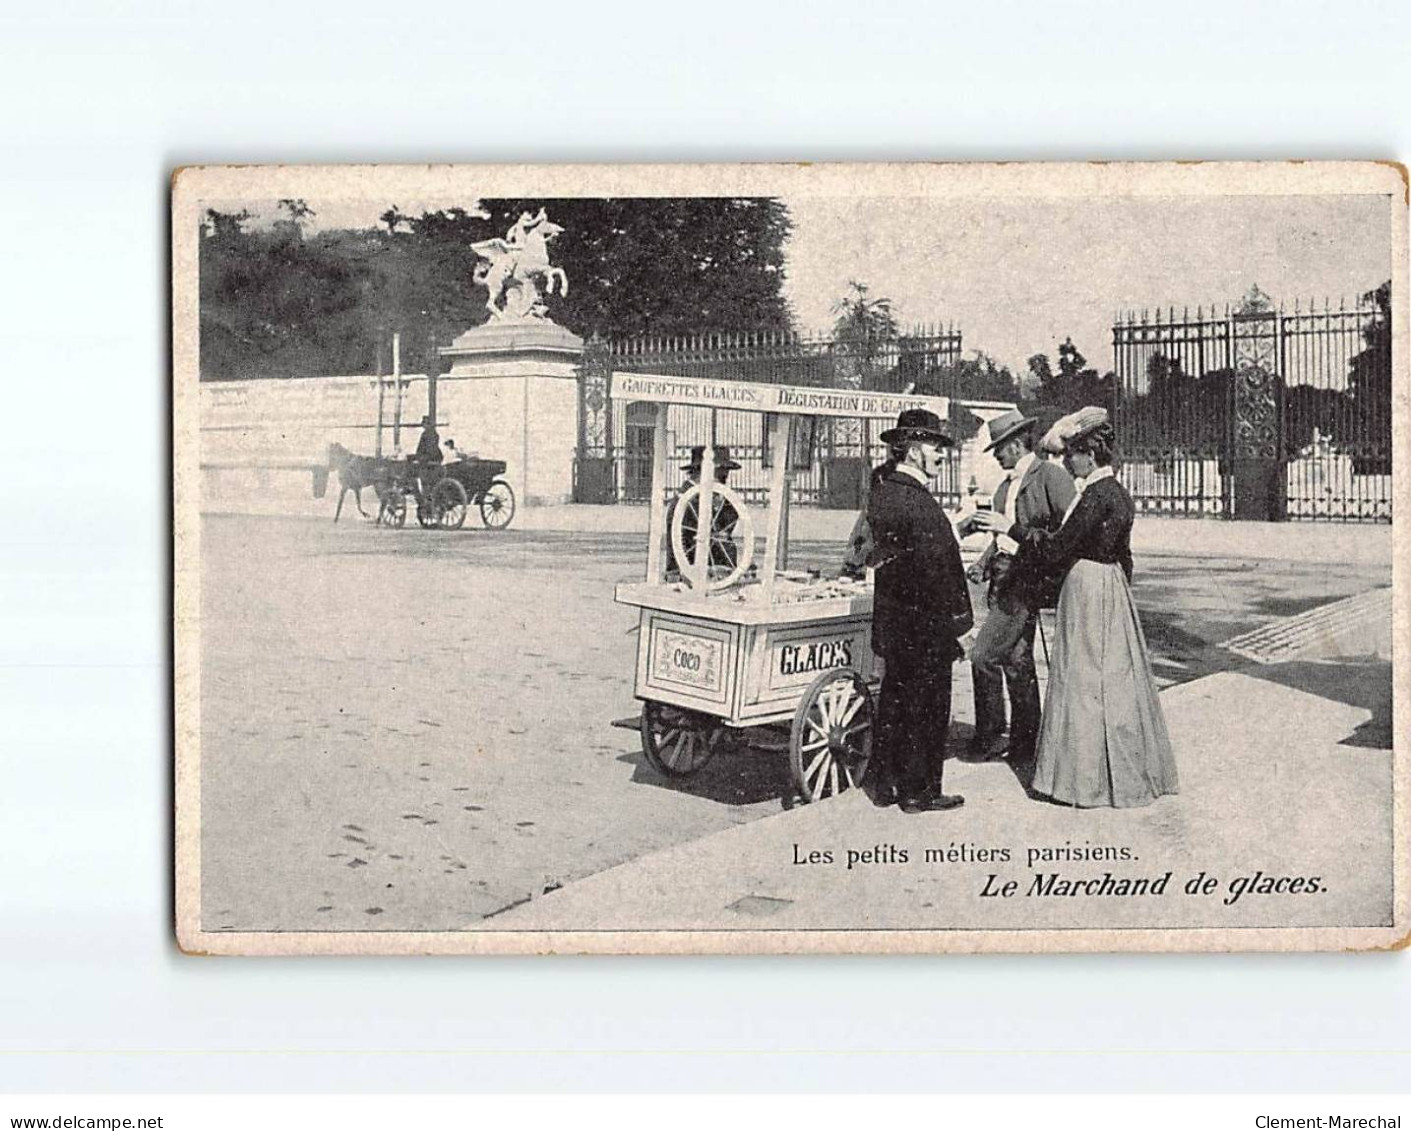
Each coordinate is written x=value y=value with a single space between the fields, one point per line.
x=442 y=493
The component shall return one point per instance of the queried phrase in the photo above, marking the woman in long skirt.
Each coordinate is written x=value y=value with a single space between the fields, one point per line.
x=1103 y=739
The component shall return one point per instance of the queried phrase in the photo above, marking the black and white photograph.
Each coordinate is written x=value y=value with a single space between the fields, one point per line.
x=1046 y=602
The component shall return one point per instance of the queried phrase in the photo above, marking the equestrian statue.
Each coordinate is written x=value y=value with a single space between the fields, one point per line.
x=515 y=268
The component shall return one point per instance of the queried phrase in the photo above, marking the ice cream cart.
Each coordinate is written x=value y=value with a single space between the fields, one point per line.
x=723 y=648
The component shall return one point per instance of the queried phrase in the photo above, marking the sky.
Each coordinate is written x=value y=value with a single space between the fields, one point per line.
x=1017 y=276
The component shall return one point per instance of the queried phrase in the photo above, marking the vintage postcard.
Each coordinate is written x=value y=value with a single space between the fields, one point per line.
x=1049 y=598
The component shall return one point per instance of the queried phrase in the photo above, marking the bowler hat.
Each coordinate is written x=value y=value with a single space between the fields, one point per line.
x=1008 y=424
x=723 y=462
x=917 y=424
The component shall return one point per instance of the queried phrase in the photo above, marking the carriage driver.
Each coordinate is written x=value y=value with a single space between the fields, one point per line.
x=427 y=454
x=723 y=551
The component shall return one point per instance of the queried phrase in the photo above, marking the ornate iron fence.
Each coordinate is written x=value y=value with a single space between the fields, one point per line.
x=614 y=453
x=1258 y=412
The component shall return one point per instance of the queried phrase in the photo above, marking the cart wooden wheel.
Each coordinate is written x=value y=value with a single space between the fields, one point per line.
x=497 y=505
x=448 y=504
x=678 y=742
x=684 y=524
x=831 y=740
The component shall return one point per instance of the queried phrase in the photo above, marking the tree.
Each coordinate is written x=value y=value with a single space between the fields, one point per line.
x=1074 y=384
x=661 y=266
x=225 y=225
x=1369 y=387
x=283 y=302
x=297 y=212
x=859 y=317
x=394 y=219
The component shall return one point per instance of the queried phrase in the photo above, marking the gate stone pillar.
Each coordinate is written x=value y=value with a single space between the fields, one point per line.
x=1257 y=463
x=512 y=394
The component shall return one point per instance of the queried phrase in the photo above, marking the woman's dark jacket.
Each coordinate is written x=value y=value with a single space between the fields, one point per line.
x=1098 y=530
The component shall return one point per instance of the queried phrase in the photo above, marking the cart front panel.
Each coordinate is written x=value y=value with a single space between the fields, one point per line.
x=689 y=662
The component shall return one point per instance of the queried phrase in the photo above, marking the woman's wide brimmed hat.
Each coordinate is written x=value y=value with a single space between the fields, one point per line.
x=723 y=462
x=1073 y=427
x=917 y=424
x=1008 y=424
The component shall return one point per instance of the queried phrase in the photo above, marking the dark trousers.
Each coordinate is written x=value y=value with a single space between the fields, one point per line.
x=1004 y=652
x=913 y=719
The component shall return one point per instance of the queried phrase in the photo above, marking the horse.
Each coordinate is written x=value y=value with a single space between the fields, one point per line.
x=354 y=473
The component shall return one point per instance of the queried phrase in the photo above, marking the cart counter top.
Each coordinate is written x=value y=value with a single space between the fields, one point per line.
x=795 y=601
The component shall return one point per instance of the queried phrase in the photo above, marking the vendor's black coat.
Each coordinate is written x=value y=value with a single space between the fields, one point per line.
x=921 y=602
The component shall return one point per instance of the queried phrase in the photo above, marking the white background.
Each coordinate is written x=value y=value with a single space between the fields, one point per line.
x=98 y=101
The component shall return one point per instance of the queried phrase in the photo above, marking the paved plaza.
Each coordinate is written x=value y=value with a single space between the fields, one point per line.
x=411 y=730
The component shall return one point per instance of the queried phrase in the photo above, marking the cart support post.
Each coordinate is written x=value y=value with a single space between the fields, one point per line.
x=705 y=515
x=656 y=511
x=781 y=430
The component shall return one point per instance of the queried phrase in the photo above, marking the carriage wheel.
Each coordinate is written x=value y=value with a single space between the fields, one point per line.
x=497 y=505
x=831 y=740
x=678 y=742
x=449 y=503
x=394 y=510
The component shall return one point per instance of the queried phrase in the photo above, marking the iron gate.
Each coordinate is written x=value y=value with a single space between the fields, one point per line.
x=844 y=450
x=1258 y=412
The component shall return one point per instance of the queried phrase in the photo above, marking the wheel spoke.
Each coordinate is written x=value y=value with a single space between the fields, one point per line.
x=685 y=742
x=833 y=776
x=821 y=731
x=817 y=791
x=816 y=744
x=817 y=762
x=851 y=711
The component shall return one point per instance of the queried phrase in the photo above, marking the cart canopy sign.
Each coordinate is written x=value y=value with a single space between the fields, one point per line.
x=747 y=397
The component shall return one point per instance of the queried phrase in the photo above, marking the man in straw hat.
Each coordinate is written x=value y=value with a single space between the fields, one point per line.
x=921 y=607
x=1035 y=494
x=723 y=551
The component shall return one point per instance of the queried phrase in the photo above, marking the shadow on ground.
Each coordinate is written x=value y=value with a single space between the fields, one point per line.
x=1364 y=683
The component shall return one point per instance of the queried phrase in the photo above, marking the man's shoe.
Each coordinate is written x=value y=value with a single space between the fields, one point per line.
x=937 y=804
x=884 y=796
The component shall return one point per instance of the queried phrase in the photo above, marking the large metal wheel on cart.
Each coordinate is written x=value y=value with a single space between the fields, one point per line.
x=831 y=740
x=448 y=506
x=678 y=742
x=497 y=505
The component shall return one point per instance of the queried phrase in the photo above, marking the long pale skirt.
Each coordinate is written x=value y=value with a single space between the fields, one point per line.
x=1103 y=740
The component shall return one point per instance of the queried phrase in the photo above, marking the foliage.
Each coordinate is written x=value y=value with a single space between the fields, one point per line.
x=279 y=301
x=663 y=266
x=1369 y=385
x=858 y=317
x=1074 y=384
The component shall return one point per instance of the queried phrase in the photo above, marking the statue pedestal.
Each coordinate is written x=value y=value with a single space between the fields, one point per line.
x=512 y=394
